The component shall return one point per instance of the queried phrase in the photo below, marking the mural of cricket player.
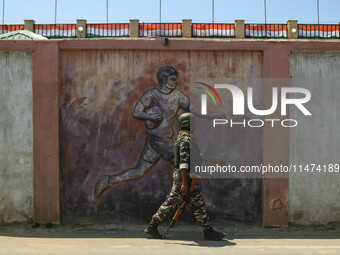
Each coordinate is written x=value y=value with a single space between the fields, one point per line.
x=158 y=107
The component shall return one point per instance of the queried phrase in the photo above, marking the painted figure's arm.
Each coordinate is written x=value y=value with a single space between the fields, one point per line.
x=139 y=113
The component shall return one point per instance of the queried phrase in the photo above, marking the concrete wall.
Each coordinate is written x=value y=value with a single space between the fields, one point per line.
x=16 y=137
x=50 y=62
x=314 y=197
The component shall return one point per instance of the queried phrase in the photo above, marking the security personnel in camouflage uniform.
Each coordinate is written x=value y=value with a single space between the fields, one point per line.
x=184 y=147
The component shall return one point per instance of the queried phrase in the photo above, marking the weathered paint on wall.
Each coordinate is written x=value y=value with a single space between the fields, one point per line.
x=314 y=197
x=100 y=136
x=16 y=137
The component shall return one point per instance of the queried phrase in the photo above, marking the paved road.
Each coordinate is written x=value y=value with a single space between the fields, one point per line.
x=115 y=239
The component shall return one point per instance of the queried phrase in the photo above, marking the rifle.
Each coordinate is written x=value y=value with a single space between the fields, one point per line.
x=180 y=208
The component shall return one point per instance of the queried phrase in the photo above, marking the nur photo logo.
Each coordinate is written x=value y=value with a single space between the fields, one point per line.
x=284 y=95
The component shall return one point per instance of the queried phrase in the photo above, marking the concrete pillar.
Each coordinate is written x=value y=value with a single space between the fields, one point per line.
x=81 y=28
x=29 y=25
x=187 y=31
x=239 y=28
x=134 y=27
x=292 y=26
x=46 y=132
x=275 y=191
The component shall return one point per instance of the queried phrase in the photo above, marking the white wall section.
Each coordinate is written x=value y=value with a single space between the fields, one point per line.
x=16 y=137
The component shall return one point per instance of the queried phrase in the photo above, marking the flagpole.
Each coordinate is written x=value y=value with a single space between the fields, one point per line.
x=265 y=18
x=265 y=12
x=160 y=11
x=318 y=10
x=213 y=11
x=3 y=12
x=55 y=12
x=107 y=11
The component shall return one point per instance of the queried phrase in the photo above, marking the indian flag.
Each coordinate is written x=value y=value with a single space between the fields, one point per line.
x=10 y=28
x=319 y=31
x=218 y=30
x=164 y=29
x=107 y=30
x=56 y=31
x=269 y=30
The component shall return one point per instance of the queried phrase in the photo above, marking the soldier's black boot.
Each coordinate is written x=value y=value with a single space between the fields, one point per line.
x=153 y=231
x=211 y=234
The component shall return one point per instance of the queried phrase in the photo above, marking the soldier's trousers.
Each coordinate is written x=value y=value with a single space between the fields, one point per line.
x=175 y=199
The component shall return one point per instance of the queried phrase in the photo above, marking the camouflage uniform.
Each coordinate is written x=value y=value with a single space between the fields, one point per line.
x=175 y=198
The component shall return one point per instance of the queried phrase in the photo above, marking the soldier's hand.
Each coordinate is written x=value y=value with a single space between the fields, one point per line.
x=184 y=189
x=157 y=117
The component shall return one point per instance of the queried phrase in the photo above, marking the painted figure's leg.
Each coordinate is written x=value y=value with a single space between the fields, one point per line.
x=106 y=181
x=148 y=158
x=164 y=147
